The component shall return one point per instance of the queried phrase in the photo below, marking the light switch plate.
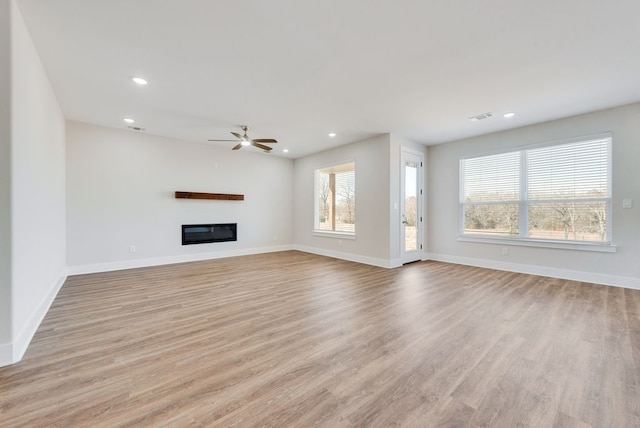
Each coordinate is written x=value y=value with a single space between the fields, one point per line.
x=627 y=203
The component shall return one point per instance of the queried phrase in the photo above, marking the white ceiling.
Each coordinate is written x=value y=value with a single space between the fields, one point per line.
x=296 y=70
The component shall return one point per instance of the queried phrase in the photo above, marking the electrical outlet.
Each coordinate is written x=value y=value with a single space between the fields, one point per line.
x=627 y=203
x=339 y=243
x=505 y=251
x=132 y=248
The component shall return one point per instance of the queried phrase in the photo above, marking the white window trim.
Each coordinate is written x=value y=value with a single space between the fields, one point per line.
x=527 y=242
x=605 y=247
x=332 y=234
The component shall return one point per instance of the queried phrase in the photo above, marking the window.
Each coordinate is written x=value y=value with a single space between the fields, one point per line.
x=558 y=192
x=336 y=199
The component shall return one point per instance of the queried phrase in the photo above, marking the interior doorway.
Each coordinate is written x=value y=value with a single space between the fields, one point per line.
x=411 y=194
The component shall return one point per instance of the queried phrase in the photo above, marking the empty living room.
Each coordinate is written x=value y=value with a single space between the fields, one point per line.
x=336 y=214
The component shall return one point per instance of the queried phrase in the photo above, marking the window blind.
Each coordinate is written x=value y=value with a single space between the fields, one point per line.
x=492 y=178
x=559 y=192
x=569 y=171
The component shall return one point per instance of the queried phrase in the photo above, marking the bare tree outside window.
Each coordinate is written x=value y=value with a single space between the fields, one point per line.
x=323 y=197
x=347 y=201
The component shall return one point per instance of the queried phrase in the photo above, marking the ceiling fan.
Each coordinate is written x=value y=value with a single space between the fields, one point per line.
x=244 y=140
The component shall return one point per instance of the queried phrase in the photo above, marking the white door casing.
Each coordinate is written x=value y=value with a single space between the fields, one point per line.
x=411 y=204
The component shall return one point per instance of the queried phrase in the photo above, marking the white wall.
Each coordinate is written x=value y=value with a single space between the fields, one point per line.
x=5 y=182
x=37 y=189
x=620 y=268
x=372 y=202
x=120 y=192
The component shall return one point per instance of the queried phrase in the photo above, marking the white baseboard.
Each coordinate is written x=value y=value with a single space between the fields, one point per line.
x=394 y=263
x=350 y=257
x=158 y=261
x=11 y=353
x=596 y=278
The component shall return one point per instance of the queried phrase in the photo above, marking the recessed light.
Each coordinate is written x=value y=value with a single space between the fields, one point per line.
x=332 y=134
x=285 y=150
x=509 y=115
x=139 y=80
x=128 y=120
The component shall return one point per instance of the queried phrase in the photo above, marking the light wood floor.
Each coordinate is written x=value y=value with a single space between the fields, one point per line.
x=293 y=339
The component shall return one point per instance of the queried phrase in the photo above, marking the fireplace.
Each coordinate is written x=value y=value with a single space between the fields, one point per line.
x=205 y=233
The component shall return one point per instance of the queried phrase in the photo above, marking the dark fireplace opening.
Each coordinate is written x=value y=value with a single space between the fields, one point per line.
x=205 y=233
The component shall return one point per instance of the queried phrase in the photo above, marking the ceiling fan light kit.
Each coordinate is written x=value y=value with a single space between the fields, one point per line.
x=244 y=140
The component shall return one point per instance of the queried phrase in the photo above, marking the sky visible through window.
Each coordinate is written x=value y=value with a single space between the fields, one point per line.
x=410 y=182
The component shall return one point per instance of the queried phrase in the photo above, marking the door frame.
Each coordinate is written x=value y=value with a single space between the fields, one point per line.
x=413 y=255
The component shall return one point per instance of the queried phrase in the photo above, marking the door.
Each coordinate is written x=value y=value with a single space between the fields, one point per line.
x=411 y=205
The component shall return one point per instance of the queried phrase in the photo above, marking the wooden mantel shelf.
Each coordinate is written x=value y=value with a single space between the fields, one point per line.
x=218 y=196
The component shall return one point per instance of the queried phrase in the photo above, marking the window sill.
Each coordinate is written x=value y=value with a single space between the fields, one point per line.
x=329 y=234
x=579 y=246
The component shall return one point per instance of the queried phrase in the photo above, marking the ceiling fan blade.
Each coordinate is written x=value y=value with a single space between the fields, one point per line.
x=237 y=147
x=235 y=134
x=261 y=146
x=265 y=140
x=222 y=140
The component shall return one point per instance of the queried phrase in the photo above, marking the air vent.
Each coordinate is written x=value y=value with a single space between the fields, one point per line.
x=137 y=128
x=481 y=117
